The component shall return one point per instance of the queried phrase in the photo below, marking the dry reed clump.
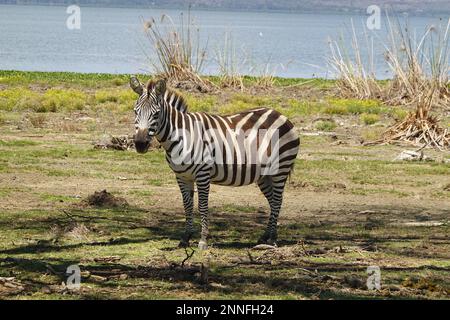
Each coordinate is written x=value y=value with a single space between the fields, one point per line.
x=355 y=78
x=265 y=78
x=230 y=64
x=420 y=70
x=180 y=56
x=419 y=127
x=418 y=66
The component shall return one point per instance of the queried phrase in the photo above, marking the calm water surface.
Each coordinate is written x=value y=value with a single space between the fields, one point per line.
x=112 y=40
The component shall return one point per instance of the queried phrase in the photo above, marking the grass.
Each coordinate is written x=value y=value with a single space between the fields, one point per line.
x=332 y=225
x=230 y=63
x=180 y=55
x=144 y=237
x=369 y=119
x=417 y=64
x=326 y=125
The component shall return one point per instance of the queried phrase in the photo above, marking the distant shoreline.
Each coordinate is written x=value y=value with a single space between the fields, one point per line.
x=286 y=11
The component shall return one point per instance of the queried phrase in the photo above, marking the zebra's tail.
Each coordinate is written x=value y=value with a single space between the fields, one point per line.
x=290 y=173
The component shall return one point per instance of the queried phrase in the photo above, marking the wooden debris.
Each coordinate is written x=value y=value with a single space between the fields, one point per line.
x=121 y=143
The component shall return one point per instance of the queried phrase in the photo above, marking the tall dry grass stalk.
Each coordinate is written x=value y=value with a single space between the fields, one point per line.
x=265 y=75
x=418 y=65
x=180 y=56
x=230 y=64
x=421 y=78
x=420 y=69
x=355 y=77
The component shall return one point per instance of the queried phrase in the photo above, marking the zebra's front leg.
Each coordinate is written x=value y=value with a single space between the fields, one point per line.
x=187 y=192
x=203 y=183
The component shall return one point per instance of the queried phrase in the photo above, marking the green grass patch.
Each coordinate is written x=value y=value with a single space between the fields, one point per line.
x=369 y=119
x=17 y=143
x=354 y=106
x=326 y=125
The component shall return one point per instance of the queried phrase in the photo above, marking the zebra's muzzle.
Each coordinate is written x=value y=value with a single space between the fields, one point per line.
x=142 y=141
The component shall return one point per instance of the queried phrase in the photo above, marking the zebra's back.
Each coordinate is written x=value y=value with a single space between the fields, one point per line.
x=246 y=146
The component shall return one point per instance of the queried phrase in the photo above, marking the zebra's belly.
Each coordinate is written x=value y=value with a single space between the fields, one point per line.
x=236 y=175
x=225 y=175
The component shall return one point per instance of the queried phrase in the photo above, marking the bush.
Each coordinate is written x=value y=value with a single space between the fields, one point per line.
x=19 y=99
x=205 y=104
x=325 y=125
x=399 y=114
x=369 y=119
x=57 y=100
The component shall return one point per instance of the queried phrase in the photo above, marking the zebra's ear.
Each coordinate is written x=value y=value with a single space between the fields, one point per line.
x=136 y=85
x=160 y=87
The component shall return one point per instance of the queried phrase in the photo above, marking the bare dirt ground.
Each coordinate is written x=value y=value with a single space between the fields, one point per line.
x=347 y=207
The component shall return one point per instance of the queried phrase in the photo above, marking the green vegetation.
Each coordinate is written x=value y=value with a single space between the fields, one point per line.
x=332 y=226
x=370 y=118
x=326 y=125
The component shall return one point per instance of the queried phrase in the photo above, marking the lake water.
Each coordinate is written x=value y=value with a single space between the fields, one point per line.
x=111 y=40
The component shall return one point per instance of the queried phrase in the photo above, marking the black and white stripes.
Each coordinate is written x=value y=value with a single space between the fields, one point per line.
x=255 y=146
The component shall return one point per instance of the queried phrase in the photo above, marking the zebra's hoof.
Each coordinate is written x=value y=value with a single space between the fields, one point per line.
x=268 y=240
x=202 y=245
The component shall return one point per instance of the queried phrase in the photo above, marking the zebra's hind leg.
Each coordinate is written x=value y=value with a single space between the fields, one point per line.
x=265 y=185
x=203 y=184
x=187 y=192
x=273 y=188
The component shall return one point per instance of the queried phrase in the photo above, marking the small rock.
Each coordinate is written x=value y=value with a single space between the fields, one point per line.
x=264 y=247
x=409 y=155
x=98 y=278
x=46 y=290
x=123 y=276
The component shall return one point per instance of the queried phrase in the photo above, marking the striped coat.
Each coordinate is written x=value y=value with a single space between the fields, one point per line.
x=256 y=146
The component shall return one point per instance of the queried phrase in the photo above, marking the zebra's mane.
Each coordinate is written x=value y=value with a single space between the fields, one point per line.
x=173 y=98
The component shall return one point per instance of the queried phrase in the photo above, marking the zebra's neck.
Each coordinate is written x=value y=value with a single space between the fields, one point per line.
x=173 y=109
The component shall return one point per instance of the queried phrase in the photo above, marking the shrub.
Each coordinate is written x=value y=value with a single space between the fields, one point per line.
x=57 y=100
x=369 y=119
x=18 y=99
x=180 y=56
x=102 y=96
x=205 y=104
x=325 y=125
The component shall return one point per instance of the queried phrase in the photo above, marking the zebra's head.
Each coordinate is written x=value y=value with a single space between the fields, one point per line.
x=147 y=110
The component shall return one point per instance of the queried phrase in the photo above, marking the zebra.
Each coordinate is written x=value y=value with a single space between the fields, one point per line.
x=219 y=158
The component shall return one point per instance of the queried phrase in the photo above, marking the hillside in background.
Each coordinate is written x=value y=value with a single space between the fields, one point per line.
x=411 y=6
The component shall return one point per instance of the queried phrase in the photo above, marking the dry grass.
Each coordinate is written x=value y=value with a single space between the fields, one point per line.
x=266 y=77
x=355 y=78
x=420 y=127
x=180 y=56
x=420 y=70
x=230 y=64
x=418 y=66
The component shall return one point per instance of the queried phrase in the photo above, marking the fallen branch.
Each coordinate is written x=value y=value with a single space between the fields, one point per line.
x=188 y=256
